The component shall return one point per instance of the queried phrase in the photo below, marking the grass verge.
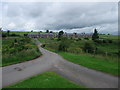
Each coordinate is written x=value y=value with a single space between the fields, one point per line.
x=90 y=61
x=46 y=80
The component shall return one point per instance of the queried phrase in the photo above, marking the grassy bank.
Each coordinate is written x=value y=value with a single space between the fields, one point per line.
x=46 y=80
x=100 y=64
x=76 y=46
x=18 y=49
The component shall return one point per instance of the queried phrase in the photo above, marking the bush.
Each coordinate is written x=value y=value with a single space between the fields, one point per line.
x=118 y=53
x=64 y=44
x=14 y=35
x=4 y=35
x=110 y=41
x=25 y=35
x=51 y=38
x=79 y=39
x=86 y=38
x=98 y=41
x=71 y=38
x=43 y=45
x=104 y=41
x=15 y=40
x=88 y=47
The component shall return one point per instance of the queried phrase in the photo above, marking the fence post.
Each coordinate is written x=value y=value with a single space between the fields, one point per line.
x=94 y=52
x=81 y=50
x=106 y=54
x=87 y=51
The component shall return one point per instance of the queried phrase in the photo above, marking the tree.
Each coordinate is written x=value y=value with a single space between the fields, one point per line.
x=75 y=35
x=51 y=31
x=88 y=47
x=0 y=29
x=4 y=35
x=8 y=32
x=25 y=35
x=64 y=44
x=31 y=30
x=15 y=40
x=95 y=35
x=47 y=31
x=60 y=34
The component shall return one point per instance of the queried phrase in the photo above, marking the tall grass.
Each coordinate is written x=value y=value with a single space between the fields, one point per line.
x=15 y=52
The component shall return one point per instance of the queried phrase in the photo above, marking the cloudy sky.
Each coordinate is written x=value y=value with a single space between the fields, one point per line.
x=68 y=16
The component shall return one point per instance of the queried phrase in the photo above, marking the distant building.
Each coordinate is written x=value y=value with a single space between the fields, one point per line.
x=41 y=35
x=77 y=35
x=54 y=35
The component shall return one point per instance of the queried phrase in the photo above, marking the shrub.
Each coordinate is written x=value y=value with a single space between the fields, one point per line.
x=13 y=35
x=110 y=41
x=15 y=40
x=79 y=39
x=43 y=45
x=71 y=38
x=4 y=35
x=98 y=41
x=25 y=35
x=64 y=44
x=51 y=38
x=86 y=38
x=118 y=53
x=104 y=41
x=88 y=47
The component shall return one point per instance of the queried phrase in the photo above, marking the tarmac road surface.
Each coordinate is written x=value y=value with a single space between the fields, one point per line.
x=52 y=62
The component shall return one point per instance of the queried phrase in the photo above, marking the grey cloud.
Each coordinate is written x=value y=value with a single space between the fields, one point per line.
x=57 y=16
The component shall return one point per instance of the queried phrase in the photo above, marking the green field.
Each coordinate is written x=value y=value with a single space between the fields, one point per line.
x=109 y=36
x=19 y=32
x=46 y=80
x=18 y=49
x=15 y=32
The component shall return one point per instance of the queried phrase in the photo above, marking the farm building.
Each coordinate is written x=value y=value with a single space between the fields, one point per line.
x=53 y=35
x=77 y=35
x=41 y=35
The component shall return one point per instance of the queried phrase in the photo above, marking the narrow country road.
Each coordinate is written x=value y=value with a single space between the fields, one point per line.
x=52 y=62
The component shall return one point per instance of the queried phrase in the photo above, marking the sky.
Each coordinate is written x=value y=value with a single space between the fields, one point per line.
x=70 y=17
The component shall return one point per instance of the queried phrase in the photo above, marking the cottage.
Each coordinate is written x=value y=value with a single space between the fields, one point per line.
x=77 y=35
x=41 y=35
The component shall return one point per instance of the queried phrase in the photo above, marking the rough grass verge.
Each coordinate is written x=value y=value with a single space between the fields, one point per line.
x=46 y=80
